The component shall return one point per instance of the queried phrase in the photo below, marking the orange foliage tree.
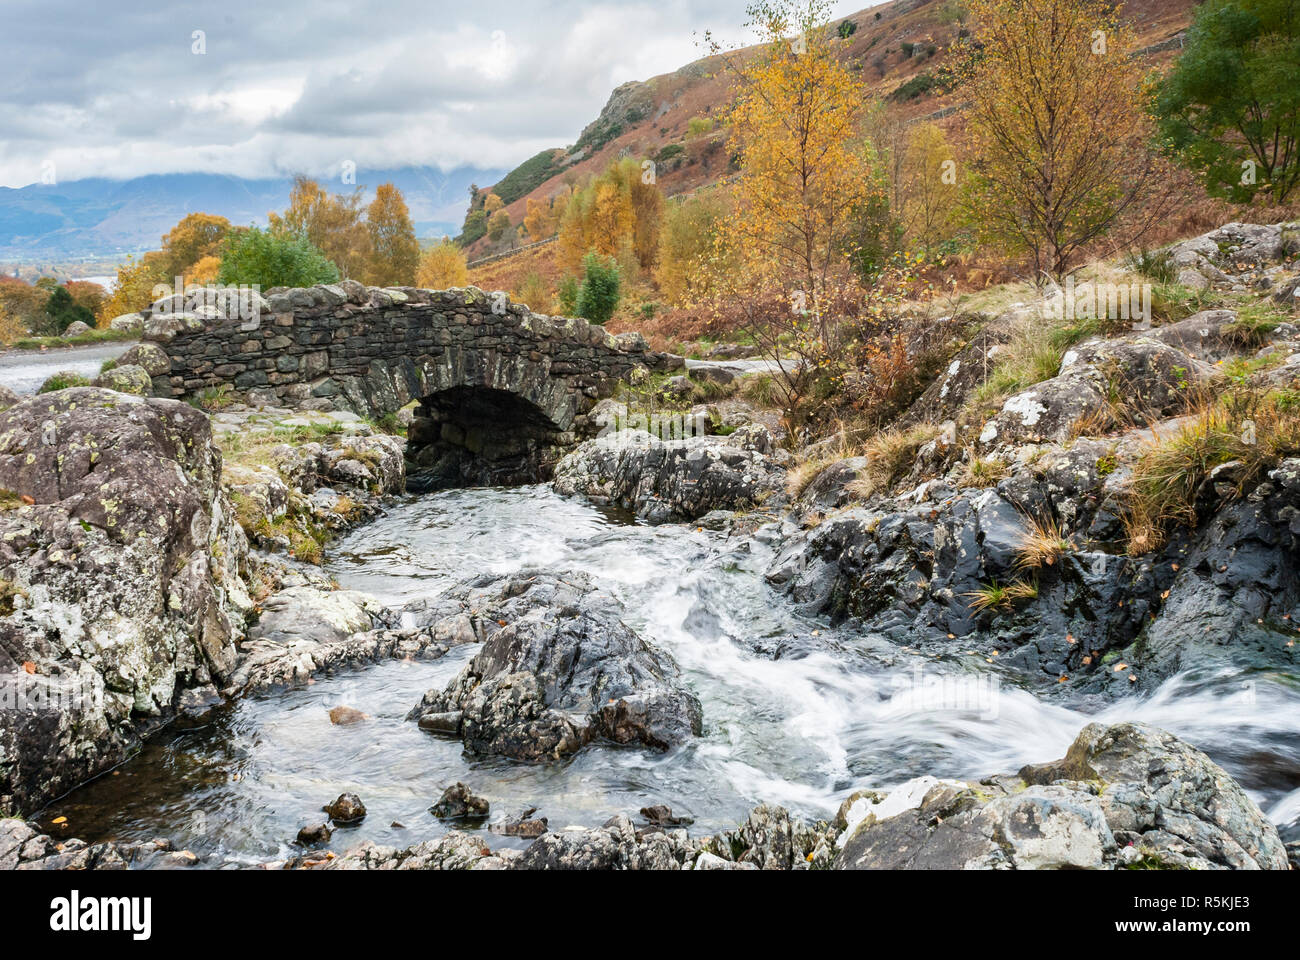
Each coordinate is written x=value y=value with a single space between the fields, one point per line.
x=615 y=214
x=333 y=223
x=1058 y=128
x=442 y=266
x=804 y=168
x=395 y=253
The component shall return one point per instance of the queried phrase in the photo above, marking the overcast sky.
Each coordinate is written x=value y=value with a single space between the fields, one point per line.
x=114 y=88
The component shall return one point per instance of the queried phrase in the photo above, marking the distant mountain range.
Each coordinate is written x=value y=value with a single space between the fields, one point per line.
x=105 y=219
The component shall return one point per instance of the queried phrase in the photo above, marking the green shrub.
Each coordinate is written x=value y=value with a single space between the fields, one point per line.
x=601 y=289
x=62 y=381
x=268 y=260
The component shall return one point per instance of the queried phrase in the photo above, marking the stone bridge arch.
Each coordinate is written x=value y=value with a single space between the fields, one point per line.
x=501 y=392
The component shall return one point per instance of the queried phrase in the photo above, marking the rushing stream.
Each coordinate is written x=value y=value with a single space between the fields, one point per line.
x=795 y=712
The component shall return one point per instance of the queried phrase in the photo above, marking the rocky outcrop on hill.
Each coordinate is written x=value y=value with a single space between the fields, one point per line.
x=120 y=577
x=1236 y=256
x=558 y=670
x=675 y=480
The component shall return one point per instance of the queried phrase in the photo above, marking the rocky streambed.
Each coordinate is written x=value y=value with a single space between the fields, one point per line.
x=669 y=657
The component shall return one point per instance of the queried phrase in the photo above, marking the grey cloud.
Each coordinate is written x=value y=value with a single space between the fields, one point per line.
x=112 y=89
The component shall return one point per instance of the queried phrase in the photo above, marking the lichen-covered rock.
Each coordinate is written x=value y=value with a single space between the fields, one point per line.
x=77 y=328
x=1123 y=794
x=131 y=323
x=125 y=578
x=674 y=480
x=8 y=398
x=615 y=846
x=1137 y=379
x=150 y=356
x=126 y=378
x=558 y=669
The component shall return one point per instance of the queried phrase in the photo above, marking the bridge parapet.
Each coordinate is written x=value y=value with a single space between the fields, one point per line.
x=501 y=388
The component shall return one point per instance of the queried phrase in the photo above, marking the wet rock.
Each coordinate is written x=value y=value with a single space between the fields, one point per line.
x=661 y=815
x=346 y=716
x=558 y=669
x=525 y=825
x=614 y=846
x=455 y=851
x=1127 y=787
x=314 y=835
x=23 y=847
x=347 y=808
x=674 y=480
x=459 y=803
x=769 y=839
x=1163 y=794
x=127 y=569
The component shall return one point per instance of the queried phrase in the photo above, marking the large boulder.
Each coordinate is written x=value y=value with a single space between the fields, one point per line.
x=1124 y=795
x=558 y=669
x=121 y=568
x=1132 y=380
x=674 y=480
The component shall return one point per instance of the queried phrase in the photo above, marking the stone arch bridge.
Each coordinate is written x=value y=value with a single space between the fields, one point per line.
x=502 y=391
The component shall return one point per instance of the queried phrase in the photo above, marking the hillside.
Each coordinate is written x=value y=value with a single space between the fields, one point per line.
x=900 y=48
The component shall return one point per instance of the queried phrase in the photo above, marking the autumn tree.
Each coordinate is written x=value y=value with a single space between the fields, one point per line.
x=133 y=288
x=88 y=294
x=196 y=236
x=542 y=217
x=395 y=253
x=689 y=247
x=796 y=129
x=1058 y=133
x=614 y=214
x=498 y=225
x=331 y=222
x=442 y=265
x=930 y=176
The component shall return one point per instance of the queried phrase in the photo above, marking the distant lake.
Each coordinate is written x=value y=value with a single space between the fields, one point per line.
x=106 y=282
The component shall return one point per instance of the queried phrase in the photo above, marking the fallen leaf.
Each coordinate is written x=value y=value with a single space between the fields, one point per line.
x=57 y=820
x=1120 y=666
x=29 y=666
x=28 y=500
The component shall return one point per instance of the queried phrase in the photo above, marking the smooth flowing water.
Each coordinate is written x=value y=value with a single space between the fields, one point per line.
x=795 y=712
